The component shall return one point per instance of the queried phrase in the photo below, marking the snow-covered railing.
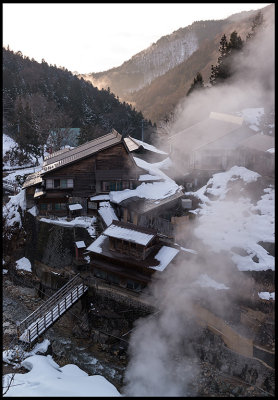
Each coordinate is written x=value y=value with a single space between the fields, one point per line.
x=44 y=316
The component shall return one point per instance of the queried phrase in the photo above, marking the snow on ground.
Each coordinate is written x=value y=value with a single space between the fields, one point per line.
x=236 y=222
x=22 y=171
x=9 y=144
x=252 y=117
x=11 y=355
x=205 y=281
x=24 y=264
x=10 y=210
x=267 y=295
x=106 y=211
x=84 y=222
x=149 y=146
x=46 y=377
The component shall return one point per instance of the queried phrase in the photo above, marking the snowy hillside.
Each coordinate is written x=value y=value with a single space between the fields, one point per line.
x=234 y=220
x=162 y=56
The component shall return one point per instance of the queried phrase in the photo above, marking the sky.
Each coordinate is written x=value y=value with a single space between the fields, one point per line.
x=95 y=37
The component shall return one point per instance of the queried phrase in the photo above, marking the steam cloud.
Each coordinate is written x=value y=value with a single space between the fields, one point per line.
x=162 y=359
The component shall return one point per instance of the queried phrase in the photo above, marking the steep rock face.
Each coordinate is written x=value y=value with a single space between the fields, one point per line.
x=162 y=56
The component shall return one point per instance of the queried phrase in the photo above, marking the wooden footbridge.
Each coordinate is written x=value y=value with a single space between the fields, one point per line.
x=43 y=317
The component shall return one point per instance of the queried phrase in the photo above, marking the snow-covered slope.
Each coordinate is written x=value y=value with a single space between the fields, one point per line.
x=231 y=220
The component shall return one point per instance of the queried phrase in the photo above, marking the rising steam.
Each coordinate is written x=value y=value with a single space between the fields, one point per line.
x=162 y=360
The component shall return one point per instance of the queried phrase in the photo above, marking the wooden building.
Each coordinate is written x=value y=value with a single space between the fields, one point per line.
x=72 y=176
x=208 y=146
x=144 y=150
x=128 y=255
x=257 y=153
x=155 y=214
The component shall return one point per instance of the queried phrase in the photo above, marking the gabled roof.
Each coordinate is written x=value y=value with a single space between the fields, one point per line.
x=61 y=158
x=130 y=232
x=136 y=144
x=143 y=206
x=32 y=179
x=258 y=142
x=207 y=131
x=131 y=144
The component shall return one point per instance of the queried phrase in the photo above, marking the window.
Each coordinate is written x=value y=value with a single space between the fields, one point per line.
x=100 y=274
x=113 y=278
x=115 y=185
x=43 y=206
x=64 y=183
x=125 y=184
x=134 y=285
x=60 y=206
x=59 y=183
x=49 y=183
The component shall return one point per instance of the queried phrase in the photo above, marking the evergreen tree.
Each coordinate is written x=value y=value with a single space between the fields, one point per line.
x=257 y=23
x=198 y=83
x=223 y=70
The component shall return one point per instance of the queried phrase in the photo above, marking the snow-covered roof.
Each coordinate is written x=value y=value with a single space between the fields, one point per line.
x=148 y=177
x=96 y=246
x=107 y=213
x=80 y=244
x=129 y=232
x=100 y=197
x=73 y=207
x=24 y=264
x=165 y=255
x=149 y=147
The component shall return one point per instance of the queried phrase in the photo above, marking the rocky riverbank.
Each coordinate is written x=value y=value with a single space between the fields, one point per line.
x=76 y=340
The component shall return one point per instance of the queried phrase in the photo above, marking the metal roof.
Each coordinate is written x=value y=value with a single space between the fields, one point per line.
x=258 y=142
x=131 y=144
x=207 y=131
x=82 y=151
x=32 y=179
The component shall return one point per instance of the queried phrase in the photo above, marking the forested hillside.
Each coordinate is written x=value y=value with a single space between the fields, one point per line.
x=38 y=97
x=156 y=79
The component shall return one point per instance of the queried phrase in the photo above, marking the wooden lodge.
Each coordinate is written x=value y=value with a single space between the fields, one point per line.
x=128 y=255
x=72 y=176
x=208 y=146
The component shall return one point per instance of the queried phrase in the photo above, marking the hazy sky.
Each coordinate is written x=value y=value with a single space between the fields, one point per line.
x=95 y=37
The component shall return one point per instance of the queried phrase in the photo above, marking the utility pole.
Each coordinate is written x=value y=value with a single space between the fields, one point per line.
x=142 y=138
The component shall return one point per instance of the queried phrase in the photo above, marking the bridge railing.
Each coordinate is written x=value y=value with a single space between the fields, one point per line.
x=51 y=302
